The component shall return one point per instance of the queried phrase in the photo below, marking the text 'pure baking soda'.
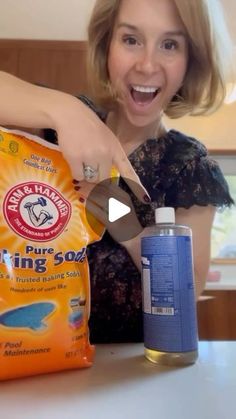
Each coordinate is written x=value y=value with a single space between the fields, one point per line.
x=44 y=276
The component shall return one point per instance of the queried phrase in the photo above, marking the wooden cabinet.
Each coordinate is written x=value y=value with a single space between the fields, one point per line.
x=217 y=315
x=56 y=64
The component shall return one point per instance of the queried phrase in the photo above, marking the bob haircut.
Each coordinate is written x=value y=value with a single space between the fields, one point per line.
x=209 y=56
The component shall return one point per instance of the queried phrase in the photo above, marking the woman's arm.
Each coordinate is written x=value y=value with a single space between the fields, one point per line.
x=27 y=105
x=83 y=138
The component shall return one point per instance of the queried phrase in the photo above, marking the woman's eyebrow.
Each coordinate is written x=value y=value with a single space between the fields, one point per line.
x=177 y=32
x=127 y=26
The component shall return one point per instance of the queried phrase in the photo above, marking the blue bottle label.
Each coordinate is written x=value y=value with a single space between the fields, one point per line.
x=169 y=309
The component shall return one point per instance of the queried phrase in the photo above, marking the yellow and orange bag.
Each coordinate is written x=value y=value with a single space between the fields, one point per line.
x=44 y=275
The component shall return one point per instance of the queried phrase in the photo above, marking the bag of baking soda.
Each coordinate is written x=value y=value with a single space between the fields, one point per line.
x=44 y=274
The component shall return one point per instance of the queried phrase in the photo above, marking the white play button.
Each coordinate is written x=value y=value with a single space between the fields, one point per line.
x=116 y=210
x=116 y=214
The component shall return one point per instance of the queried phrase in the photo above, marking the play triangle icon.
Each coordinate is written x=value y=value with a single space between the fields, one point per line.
x=117 y=210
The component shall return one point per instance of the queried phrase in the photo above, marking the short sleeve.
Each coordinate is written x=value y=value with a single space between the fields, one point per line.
x=200 y=182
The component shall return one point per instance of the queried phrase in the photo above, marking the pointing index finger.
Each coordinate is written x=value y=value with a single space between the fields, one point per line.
x=126 y=170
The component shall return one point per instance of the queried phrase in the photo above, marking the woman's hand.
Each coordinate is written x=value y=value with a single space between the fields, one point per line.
x=86 y=141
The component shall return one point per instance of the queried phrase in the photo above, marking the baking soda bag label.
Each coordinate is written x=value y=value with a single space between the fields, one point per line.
x=44 y=275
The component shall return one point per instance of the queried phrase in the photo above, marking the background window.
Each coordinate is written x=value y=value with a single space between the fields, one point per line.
x=223 y=242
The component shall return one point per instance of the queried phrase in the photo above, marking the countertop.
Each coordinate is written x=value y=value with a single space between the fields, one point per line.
x=123 y=384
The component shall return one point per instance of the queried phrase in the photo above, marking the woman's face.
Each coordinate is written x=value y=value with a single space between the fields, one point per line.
x=147 y=58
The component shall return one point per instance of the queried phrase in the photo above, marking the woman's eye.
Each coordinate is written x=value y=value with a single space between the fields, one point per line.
x=130 y=40
x=170 y=45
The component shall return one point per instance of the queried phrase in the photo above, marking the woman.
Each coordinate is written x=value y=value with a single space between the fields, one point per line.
x=146 y=58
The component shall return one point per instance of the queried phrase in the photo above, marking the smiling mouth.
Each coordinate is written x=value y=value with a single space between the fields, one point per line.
x=143 y=95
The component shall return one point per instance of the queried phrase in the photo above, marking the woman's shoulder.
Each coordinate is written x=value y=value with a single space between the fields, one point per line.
x=180 y=147
x=168 y=154
x=178 y=171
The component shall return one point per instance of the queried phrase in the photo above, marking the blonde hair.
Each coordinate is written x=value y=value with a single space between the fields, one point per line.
x=204 y=86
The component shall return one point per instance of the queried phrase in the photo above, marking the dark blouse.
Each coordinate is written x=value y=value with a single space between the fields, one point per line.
x=177 y=171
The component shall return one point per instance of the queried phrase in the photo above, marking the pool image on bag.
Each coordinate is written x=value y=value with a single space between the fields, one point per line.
x=44 y=274
x=30 y=316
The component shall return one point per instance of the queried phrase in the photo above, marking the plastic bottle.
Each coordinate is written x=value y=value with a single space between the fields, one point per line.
x=169 y=308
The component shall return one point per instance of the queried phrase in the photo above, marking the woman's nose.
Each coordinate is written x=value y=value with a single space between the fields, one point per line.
x=148 y=62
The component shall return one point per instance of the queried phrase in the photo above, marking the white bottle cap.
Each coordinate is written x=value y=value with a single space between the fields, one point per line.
x=165 y=215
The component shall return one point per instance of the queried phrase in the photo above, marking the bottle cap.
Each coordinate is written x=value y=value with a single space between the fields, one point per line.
x=165 y=215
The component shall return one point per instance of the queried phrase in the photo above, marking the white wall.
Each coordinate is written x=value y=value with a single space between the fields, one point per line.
x=61 y=19
x=217 y=131
x=44 y=19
